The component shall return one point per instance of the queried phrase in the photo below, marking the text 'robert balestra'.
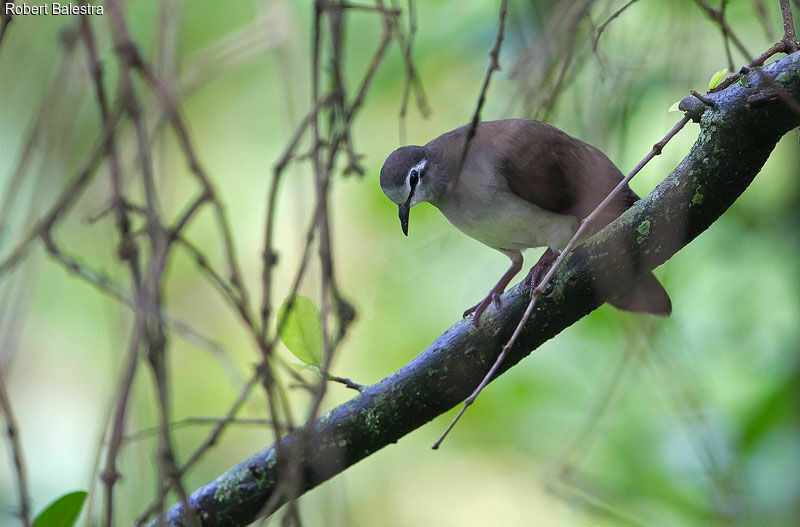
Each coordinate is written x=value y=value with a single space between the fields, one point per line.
x=22 y=9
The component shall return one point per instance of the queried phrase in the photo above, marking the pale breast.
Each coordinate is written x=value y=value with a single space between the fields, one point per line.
x=493 y=215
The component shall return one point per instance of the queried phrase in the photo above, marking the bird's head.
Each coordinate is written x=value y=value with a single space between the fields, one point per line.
x=405 y=179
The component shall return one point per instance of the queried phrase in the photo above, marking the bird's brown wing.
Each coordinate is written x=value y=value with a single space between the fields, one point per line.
x=556 y=172
x=559 y=173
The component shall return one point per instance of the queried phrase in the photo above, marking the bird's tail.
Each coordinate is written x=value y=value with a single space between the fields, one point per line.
x=646 y=295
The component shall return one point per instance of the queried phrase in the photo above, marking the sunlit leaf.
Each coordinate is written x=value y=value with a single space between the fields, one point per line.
x=63 y=512
x=674 y=107
x=302 y=331
x=717 y=78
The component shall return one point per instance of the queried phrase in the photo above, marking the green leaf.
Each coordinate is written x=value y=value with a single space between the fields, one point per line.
x=717 y=78
x=302 y=331
x=63 y=512
x=674 y=107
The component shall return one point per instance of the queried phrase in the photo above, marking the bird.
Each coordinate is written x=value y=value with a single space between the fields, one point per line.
x=519 y=184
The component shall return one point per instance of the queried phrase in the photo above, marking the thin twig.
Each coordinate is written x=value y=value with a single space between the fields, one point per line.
x=411 y=79
x=68 y=197
x=12 y=431
x=702 y=98
x=494 y=65
x=5 y=21
x=549 y=101
x=109 y=474
x=774 y=91
x=347 y=382
x=607 y=22
x=51 y=99
x=725 y=35
x=718 y=16
x=540 y=288
x=149 y=432
x=789 y=36
x=542 y=69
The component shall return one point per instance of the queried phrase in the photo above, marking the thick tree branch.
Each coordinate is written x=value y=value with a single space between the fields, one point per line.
x=735 y=140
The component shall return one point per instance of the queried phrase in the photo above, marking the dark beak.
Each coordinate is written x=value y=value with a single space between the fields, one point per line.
x=405 y=207
x=404 y=210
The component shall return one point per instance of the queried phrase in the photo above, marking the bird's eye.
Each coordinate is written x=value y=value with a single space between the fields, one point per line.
x=413 y=179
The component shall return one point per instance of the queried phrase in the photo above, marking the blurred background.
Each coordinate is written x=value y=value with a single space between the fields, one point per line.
x=619 y=420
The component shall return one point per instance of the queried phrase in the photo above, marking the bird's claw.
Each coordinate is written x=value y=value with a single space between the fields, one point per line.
x=537 y=272
x=477 y=310
x=470 y=310
x=532 y=280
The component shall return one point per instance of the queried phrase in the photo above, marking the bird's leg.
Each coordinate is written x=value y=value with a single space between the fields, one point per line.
x=497 y=290
x=541 y=267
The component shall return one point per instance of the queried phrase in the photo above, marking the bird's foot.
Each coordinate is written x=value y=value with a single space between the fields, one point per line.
x=534 y=275
x=494 y=295
x=538 y=271
x=477 y=310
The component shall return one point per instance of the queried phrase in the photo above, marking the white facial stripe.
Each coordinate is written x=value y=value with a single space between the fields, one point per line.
x=419 y=167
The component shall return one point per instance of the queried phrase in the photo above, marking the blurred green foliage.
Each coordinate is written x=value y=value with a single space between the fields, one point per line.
x=620 y=420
